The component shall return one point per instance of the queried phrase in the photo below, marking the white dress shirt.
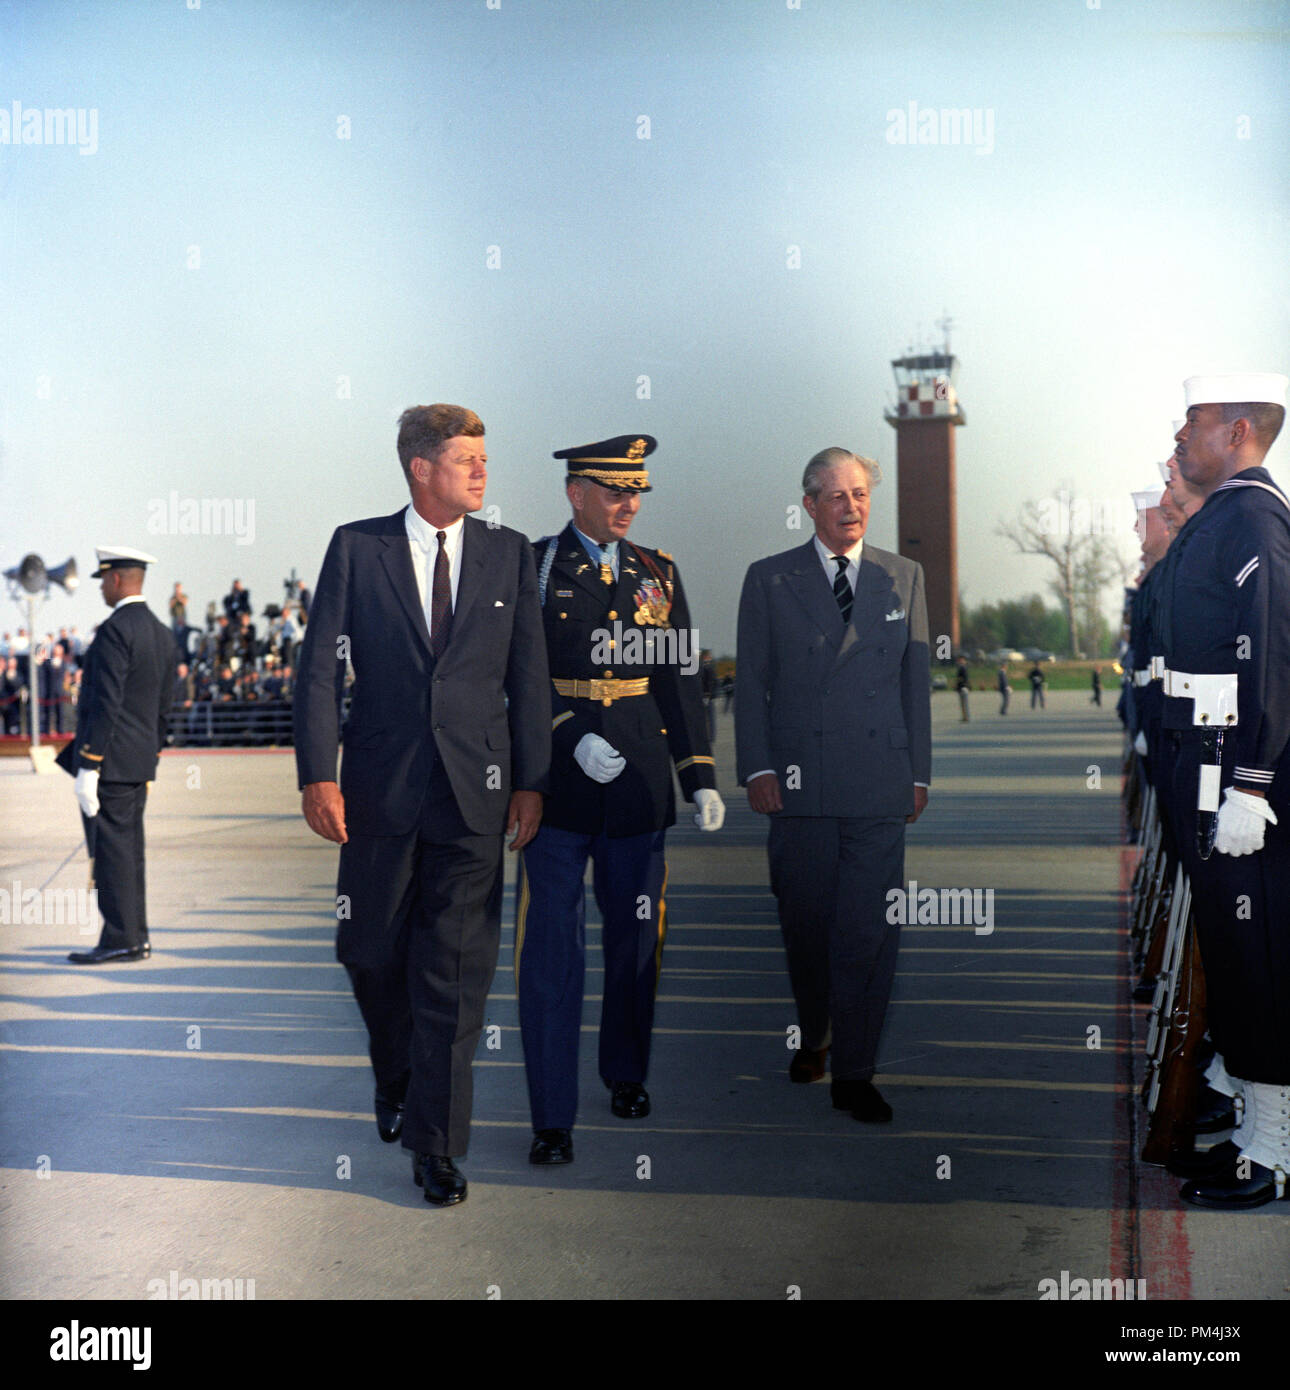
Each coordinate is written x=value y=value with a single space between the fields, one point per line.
x=424 y=548
x=830 y=565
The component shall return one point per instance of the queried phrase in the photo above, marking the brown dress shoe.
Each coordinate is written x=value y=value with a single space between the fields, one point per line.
x=807 y=1065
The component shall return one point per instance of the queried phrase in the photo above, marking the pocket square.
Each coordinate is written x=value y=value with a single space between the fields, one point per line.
x=895 y=615
x=497 y=603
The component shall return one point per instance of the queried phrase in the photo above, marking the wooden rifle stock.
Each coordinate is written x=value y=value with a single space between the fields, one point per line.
x=1173 y=1120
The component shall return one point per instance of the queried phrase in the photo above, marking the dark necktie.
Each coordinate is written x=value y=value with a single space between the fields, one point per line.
x=842 y=589
x=440 y=601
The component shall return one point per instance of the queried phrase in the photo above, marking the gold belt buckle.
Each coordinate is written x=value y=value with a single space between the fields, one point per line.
x=602 y=690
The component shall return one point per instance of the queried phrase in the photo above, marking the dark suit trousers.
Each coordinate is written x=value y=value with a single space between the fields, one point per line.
x=118 y=864
x=420 y=946
x=831 y=877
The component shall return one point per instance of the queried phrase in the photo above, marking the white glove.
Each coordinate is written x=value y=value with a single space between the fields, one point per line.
x=1242 y=821
x=1140 y=744
x=600 y=760
x=711 y=814
x=87 y=791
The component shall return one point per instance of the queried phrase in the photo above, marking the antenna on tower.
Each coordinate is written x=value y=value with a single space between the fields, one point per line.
x=945 y=323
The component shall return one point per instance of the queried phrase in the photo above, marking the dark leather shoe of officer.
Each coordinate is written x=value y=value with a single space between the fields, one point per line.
x=1207 y=1163
x=1230 y=1192
x=1214 y=1111
x=389 y=1106
x=101 y=955
x=630 y=1100
x=551 y=1146
x=443 y=1183
x=862 y=1099
x=807 y=1065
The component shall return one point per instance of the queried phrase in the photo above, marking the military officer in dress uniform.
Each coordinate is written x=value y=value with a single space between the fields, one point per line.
x=127 y=685
x=1225 y=624
x=627 y=706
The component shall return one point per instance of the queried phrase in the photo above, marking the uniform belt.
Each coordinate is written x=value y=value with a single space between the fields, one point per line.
x=1213 y=696
x=606 y=691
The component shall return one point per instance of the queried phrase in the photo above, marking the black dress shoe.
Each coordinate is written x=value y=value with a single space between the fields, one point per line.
x=389 y=1107
x=440 y=1179
x=1208 y=1163
x=1230 y=1192
x=551 y=1146
x=100 y=955
x=1214 y=1111
x=807 y=1064
x=861 y=1098
x=630 y=1100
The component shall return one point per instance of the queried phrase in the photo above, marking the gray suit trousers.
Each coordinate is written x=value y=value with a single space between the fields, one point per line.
x=831 y=877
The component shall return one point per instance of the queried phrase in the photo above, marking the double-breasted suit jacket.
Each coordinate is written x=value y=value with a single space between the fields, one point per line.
x=841 y=713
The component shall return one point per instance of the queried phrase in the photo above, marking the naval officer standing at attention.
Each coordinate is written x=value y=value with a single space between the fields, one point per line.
x=833 y=736
x=127 y=685
x=628 y=705
x=1225 y=623
x=447 y=746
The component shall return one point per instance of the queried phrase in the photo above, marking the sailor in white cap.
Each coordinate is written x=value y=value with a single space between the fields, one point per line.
x=126 y=688
x=1225 y=624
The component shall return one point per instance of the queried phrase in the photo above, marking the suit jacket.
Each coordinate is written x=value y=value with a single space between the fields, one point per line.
x=842 y=714
x=484 y=707
x=652 y=731
x=127 y=685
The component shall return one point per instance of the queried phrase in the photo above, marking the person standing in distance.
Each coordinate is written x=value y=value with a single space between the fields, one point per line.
x=127 y=686
x=446 y=747
x=833 y=732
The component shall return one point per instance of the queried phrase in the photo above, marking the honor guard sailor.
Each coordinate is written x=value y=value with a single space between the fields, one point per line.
x=627 y=706
x=1226 y=683
x=127 y=684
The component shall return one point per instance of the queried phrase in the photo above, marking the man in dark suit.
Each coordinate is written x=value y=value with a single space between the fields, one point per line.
x=447 y=746
x=628 y=706
x=833 y=738
x=127 y=686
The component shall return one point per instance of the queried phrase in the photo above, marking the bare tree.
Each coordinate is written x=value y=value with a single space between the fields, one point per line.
x=1085 y=557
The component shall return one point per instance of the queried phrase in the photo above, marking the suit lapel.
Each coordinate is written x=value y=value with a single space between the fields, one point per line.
x=875 y=591
x=396 y=556
x=805 y=578
x=474 y=563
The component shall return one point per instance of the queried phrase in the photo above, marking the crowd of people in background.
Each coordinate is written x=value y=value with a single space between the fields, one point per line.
x=229 y=660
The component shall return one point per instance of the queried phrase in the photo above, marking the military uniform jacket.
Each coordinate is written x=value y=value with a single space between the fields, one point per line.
x=1224 y=607
x=582 y=615
x=127 y=685
x=1144 y=643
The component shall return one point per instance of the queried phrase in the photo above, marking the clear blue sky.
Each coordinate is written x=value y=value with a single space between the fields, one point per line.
x=1127 y=227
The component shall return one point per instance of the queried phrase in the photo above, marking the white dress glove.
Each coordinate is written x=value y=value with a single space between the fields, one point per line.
x=599 y=759
x=87 y=791
x=1242 y=822
x=1140 y=744
x=711 y=814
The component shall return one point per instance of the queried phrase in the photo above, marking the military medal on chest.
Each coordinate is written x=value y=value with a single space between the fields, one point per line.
x=652 y=605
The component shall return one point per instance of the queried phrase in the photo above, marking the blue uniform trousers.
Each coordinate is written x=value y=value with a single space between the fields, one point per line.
x=550 y=960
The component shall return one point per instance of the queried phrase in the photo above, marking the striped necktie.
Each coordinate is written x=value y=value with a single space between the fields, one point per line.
x=842 y=589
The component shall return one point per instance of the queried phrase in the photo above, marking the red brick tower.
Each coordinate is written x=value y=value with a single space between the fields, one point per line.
x=925 y=416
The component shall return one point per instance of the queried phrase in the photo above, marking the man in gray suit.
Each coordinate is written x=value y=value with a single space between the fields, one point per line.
x=833 y=740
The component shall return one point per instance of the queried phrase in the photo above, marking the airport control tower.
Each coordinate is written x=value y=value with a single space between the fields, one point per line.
x=925 y=416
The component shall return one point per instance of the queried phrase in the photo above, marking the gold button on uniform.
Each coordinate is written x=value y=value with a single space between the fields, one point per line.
x=612 y=615
x=564 y=615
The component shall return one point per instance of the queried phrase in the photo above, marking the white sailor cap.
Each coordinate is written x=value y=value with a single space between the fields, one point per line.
x=1236 y=388
x=120 y=557
x=1144 y=501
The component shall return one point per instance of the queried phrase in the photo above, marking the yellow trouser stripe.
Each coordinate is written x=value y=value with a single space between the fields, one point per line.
x=662 y=930
x=521 y=914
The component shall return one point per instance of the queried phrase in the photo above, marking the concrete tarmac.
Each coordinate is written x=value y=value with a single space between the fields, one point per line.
x=206 y=1115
